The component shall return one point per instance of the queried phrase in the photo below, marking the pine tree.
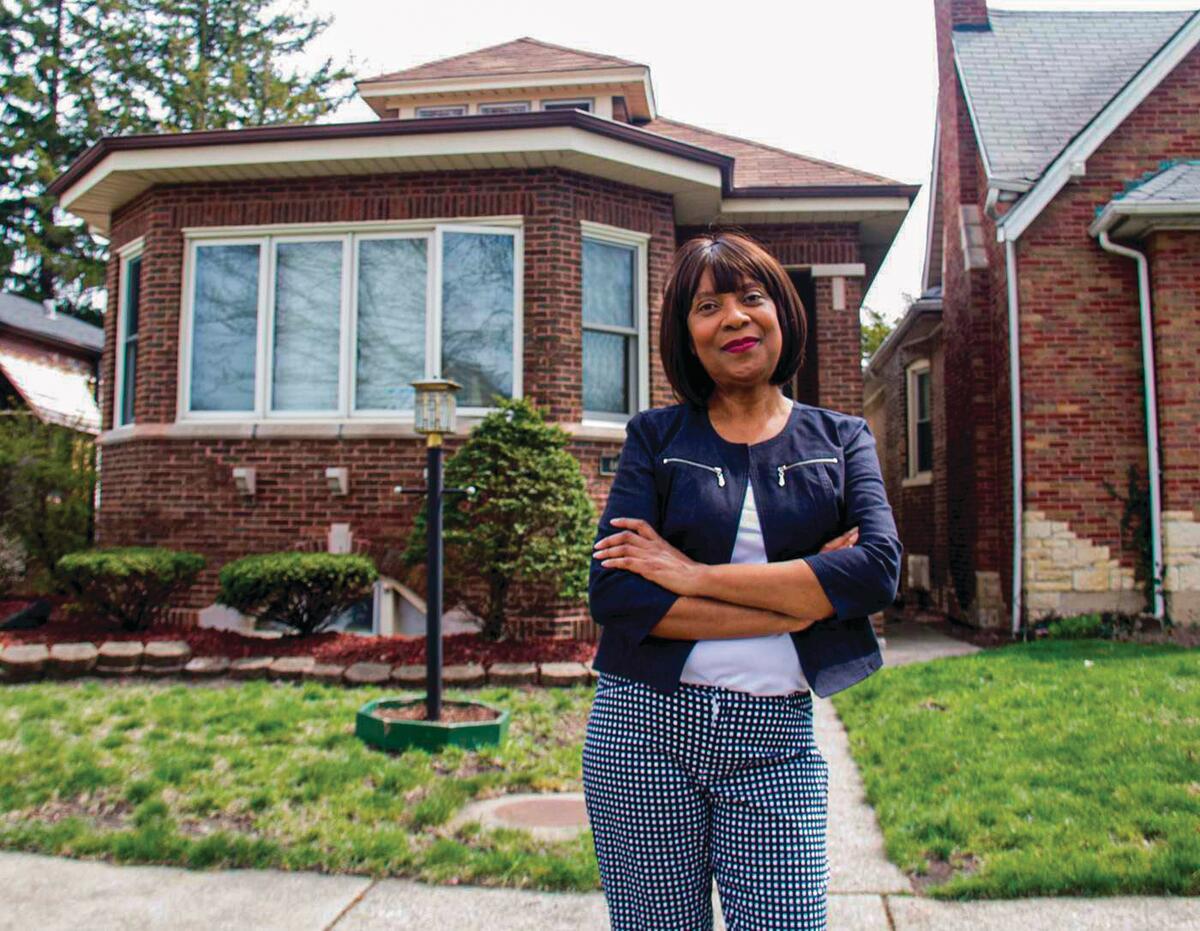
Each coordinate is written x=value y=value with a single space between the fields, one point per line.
x=56 y=93
x=72 y=71
x=218 y=64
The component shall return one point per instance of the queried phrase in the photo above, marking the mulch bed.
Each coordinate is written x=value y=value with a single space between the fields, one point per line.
x=450 y=712
x=335 y=648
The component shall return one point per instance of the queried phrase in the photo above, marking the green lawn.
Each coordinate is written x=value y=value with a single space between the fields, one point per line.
x=1048 y=768
x=272 y=775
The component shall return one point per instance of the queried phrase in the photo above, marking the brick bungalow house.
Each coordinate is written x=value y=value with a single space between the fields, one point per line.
x=506 y=222
x=49 y=363
x=1057 y=342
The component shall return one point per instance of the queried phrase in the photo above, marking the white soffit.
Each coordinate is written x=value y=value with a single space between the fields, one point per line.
x=123 y=174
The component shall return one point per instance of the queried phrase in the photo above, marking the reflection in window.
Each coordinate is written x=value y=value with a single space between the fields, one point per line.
x=129 y=338
x=224 y=328
x=392 y=275
x=924 y=424
x=308 y=300
x=477 y=315
x=609 y=327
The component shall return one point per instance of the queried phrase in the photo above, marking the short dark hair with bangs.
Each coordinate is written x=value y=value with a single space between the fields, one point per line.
x=733 y=257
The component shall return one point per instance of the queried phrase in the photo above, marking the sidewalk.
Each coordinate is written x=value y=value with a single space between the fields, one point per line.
x=866 y=891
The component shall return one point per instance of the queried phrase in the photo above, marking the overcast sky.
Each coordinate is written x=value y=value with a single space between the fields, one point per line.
x=851 y=81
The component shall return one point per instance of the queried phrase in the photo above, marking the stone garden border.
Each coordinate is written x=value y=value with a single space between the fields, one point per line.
x=30 y=662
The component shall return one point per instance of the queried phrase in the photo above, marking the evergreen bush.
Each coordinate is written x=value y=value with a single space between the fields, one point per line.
x=132 y=586
x=531 y=519
x=302 y=591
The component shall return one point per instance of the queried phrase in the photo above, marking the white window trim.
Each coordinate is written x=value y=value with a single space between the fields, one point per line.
x=266 y=237
x=442 y=106
x=562 y=103
x=914 y=368
x=604 y=232
x=126 y=254
x=480 y=108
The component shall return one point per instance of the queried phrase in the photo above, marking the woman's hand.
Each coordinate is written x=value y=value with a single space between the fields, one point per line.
x=849 y=538
x=640 y=549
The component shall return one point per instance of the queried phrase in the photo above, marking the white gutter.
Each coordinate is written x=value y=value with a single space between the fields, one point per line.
x=1014 y=375
x=1148 y=381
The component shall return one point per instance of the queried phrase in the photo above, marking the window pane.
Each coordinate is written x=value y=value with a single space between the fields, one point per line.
x=129 y=379
x=924 y=446
x=608 y=276
x=225 y=328
x=133 y=295
x=477 y=315
x=308 y=298
x=923 y=396
x=606 y=372
x=391 y=322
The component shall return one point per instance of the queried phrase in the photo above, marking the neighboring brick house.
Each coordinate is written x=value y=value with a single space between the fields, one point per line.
x=507 y=222
x=49 y=364
x=1064 y=140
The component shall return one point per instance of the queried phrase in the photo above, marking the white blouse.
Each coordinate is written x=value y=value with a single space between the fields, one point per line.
x=766 y=665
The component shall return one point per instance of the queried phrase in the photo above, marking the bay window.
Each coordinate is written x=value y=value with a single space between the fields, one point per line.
x=337 y=323
x=614 y=323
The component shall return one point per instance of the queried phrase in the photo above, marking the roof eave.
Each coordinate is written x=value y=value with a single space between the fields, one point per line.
x=918 y=309
x=1133 y=219
x=670 y=155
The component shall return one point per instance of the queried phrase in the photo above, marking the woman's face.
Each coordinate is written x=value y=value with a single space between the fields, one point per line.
x=717 y=321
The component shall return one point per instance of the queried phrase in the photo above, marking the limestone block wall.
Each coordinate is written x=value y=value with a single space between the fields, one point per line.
x=1181 y=554
x=1067 y=574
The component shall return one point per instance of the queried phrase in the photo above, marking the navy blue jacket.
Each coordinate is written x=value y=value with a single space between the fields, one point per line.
x=817 y=478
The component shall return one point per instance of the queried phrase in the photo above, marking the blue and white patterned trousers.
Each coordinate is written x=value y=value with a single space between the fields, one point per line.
x=706 y=782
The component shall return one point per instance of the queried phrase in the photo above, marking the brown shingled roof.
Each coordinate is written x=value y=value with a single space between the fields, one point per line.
x=759 y=165
x=519 y=55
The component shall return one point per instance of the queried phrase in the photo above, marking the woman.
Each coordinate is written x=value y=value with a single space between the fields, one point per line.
x=746 y=539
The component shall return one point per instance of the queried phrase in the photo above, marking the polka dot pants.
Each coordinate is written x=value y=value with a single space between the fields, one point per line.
x=706 y=782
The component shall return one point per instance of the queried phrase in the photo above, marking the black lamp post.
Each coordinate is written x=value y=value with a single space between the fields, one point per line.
x=434 y=416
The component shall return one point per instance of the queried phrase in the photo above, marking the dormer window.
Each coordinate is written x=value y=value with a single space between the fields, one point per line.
x=581 y=103
x=459 y=110
x=515 y=106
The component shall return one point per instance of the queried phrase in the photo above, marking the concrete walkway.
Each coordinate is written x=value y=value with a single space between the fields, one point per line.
x=866 y=891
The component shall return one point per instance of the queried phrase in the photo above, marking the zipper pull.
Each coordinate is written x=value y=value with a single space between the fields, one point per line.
x=780 y=470
x=720 y=476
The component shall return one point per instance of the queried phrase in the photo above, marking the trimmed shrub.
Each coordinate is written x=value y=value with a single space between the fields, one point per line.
x=302 y=591
x=524 y=539
x=132 y=585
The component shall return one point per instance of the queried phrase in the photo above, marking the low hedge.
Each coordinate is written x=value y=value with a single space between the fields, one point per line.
x=133 y=585
x=303 y=591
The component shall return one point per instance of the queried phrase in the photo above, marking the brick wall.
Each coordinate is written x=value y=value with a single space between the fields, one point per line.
x=180 y=493
x=969 y=559
x=1082 y=377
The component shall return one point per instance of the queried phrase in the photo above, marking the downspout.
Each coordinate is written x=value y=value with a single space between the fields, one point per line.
x=1149 y=381
x=1014 y=402
x=1014 y=395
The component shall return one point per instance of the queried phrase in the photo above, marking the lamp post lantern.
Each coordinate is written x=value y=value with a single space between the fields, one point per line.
x=434 y=415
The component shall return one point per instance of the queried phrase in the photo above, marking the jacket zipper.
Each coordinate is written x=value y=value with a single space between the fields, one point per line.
x=783 y=468
x=720 y=471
